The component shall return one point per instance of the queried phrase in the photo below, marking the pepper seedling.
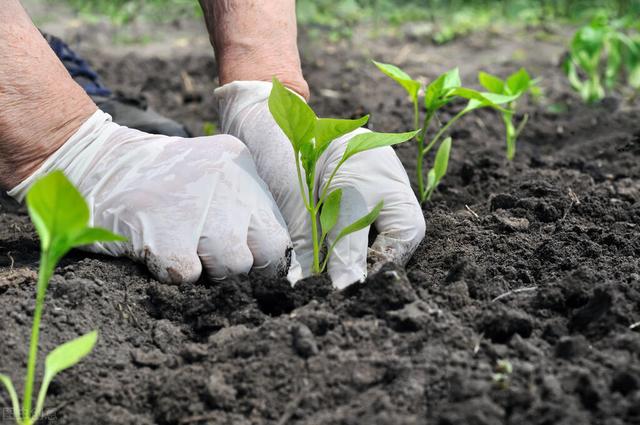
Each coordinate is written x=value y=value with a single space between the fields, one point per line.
x=60 y=216
x=440 y=92
x=516 y=84
x=600 y=53
x=310 y=137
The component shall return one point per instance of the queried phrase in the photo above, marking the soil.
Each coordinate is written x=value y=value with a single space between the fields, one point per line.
x=534 y=262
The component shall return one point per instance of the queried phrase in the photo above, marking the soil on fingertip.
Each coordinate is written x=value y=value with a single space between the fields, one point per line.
x=535 y=262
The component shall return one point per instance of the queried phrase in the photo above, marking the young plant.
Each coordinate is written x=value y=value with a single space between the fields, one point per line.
x=600 y=54
x=516 y=84
x=310 y=137
x=440 y=92
x=60 y=216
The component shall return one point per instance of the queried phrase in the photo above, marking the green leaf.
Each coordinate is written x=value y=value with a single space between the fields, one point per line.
x=95 y=234
x=328 y=129
x=451 y=79
x=439 y=170
x=519 y=82
x=292 y=114
x=571 y=72
x=330 y=211
x=614 y=64
x=57 y=209
x=62 y=358
x=60 y=216
x=69 y=354
x=482 y=100
x=399 y=76
x=371 y=140
x=361 y=223
x=491 y=82
x=13 y=396
x=442 y=159
x=431 y=183
x=439 y=91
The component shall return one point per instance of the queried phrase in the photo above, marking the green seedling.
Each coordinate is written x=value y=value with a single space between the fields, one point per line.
x=310 y=137
x=502 y=375
x=600 y=55
x=516 y=84
x=439 y=93
x=60 y=216
x=209 y=128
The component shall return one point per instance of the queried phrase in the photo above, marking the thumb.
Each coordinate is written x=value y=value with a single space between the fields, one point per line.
x=348 y=261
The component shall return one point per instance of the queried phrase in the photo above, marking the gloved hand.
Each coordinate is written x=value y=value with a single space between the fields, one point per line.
x=365 y=179
x=181 y=203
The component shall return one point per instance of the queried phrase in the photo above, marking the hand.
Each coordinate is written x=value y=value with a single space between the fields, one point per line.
x=181 y=203
x=365 y=179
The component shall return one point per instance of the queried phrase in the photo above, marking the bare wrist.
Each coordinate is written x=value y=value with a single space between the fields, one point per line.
x=255 y=41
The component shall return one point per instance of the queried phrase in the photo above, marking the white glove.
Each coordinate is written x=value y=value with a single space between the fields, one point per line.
x=365 y=179
x=181 y=203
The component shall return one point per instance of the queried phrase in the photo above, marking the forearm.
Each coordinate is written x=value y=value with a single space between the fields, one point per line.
x=255 y=40
x=40 y=105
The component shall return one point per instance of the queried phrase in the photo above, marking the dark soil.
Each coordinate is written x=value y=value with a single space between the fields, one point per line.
x=554 y=235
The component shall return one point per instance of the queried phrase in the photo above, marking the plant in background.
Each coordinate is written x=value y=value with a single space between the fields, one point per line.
x=310 y=137
x=600 y=55
x=502 y=375
x=440 y=92
x=516 y=84
x=60 y=216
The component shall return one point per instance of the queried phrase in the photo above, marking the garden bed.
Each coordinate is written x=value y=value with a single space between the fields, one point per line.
x=535 y=262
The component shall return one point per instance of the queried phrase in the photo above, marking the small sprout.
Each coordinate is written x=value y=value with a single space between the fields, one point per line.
x=209 y=128
x=60 y=216
x=439 y=93
x=600 y=54
x=502 y=374
x=516 y=84
x=310 y=137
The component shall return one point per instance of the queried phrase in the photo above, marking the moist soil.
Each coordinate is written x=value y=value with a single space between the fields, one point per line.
x=533 y=262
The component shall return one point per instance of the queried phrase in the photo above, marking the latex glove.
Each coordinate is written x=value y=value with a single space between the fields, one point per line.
x=365 y=179
x=181 y=203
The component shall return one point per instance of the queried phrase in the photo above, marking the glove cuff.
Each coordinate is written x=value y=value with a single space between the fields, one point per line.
x=234 y=98
x=89 y=136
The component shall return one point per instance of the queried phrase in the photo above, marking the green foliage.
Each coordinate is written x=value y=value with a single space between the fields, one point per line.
x=449 y=18
x=440 y=165
x=60 y=216
x=604 y=55
x=502 y=374
x=440 y=92
x=515 y=86
x=411 y=86
x=209 y=128
x=310 y=136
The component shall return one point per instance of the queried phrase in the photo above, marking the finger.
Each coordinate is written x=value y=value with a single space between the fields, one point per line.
x=175 y=267
x=160 y=240
x=223 y=247
x=400 y=225
x=348 y=260
x=269 y=241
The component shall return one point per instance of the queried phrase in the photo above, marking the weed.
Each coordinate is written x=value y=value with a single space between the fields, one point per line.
x=310 y=137
x=60 y=216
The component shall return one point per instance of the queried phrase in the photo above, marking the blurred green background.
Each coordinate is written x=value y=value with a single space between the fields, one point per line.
x=443 y=20
x=332 y=13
